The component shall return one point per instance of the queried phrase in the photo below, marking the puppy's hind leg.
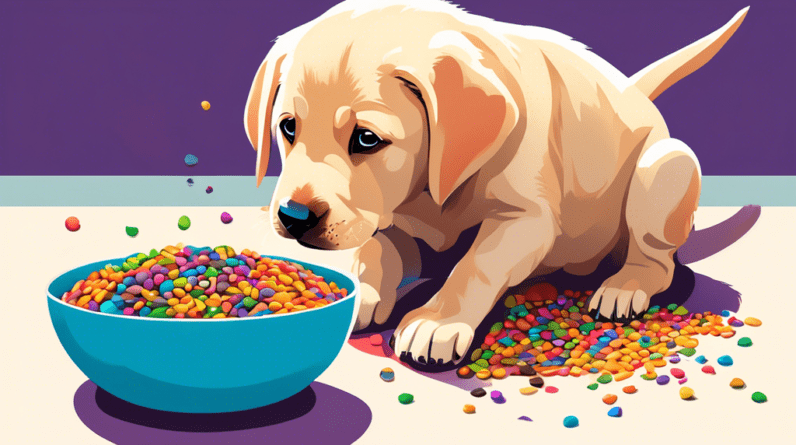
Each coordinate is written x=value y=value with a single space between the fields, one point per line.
x=661 y=201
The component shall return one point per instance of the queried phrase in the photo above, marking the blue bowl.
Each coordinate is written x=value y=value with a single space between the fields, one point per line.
x=203 y=366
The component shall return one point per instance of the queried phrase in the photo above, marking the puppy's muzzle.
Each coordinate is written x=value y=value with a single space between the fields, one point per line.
x=297 y=218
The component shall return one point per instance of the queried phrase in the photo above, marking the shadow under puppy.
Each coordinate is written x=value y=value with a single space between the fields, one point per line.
x=404 y=120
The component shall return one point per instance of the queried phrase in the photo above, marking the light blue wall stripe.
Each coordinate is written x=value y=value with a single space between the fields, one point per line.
x=241 y=191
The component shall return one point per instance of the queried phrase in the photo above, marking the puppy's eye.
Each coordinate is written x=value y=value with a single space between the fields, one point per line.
x=288 y=127
x=364 y=141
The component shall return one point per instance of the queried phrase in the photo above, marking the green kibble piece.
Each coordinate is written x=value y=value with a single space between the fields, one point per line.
x=647 y=317
x=745 y=342
x=141 y=257
x=647 y=377
x=759 y=397
x=211 y=272
x=682 y=311
x=202 y=297
x=628 y=331
x=656 y=356
x=152 y=254
x=473 y=357
x=671 y=307
x=653 y=309
x=180 y=282
x=537 y=343
x=196 y=293
x=495 y=327
x=593 y=386
x=213 y=310
x=687 y=351
x=573 y=309
x=131 y=231
x=406 y=398
x=585 y=328
x=126 y=267
x=148 y=304
x=552 y=326
x=560 y=332
x=249 y=302
x=605 y=378
x=159 y=313
x=569 y=345
x=133 y=261
x=482 y=363
x=511 y=317
x=184 y=222
x=165 y=261
x=116 y=268
x=510 y=301
x=509 y=361
x=475 y=368
x=486 y=355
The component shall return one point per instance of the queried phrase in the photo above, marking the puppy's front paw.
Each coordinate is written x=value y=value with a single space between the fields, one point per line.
x=626 y=294
x=425 y=338
x=374 y=306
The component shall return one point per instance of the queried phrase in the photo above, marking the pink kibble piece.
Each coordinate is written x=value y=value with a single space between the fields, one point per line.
x=677 y=373
x=376 y=339
x=682 y=380
x=551 y=389
x=226 y=218
x=707 y=369
x=129 y=311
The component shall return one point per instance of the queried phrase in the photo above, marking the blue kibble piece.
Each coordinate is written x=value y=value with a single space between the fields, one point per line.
x=214 y=256
x=535 y=337
x=611 y=334
x=542 y=320
x=166 y=286
x=671 y=345
x=547 y=363
x=674 y=359
x=725 y=313
x=117 y=301
x=201 y=269
x=191 y=160
x=239 y=305
x=701 y=359
x=645 y=339
x=507 y=341
x=594 y=370
x=120 y=289
x=144 y=311
x=189 y=273
x=606 y=339
x=232 y=262
x=662 y=379
x=190 y=182
x=129 y=281
x=725 y=360
x=557 y=361
x=109 y=307
x=571 y=421
x=193 y=280
x=615 y=412
x=524 y=356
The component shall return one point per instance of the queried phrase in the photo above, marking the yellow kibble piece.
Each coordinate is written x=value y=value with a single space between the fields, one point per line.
x=285 y=279
x=499 y=373
x=469 y=409
x=686 y=393
x=282 y=297
x=173 y=301
x=752 y=321
x=205 y=105
x=274 y=306
x=528 y=390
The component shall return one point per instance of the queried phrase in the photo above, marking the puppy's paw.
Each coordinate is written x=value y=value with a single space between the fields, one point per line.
x=425 y=338
x=373 y=307
x=626 y=294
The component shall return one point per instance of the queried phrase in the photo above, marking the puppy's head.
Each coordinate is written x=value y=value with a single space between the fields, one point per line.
x=366 y=116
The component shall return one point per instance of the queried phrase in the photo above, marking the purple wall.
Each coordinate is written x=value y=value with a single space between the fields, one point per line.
x=113 y=88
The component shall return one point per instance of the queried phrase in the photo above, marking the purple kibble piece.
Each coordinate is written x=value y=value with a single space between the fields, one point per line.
x=330 y=299
x=267 y=292
x=149 y=284
x=497 y=397
x=233 y=312
x=559 y=342
x=736 y=323
x=193 y=280
x=242 y=312
x=190 y=182
x=168 y=295
x=315 y=290
x=93 y=305
x=209 y=190
x=683 y=380
x=674 y=359
x=662 y=379
x=140 y=277
x=221 y=287
x=561 y=300
x=226 y=218
x=525 y=418
x=222 y=278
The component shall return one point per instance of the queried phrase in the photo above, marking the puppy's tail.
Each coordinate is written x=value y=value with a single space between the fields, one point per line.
x=656 y=78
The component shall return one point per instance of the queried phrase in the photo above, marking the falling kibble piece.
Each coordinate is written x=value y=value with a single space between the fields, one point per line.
x=686 y=393
x=725 y=360
x=536 y=381
x=526 y=418
x=184 y=223
x=72 y=224
x=593 y=386
x=571 y=422
x=497 y=397
x=752 y=321
x=131 y=231
x=226 y=218
x=191 y=160
x=205 y=105
x=707 y=369
x=469 y=409
x=190 y=182
x=609 y=399
x=528 y=390
x=387 y=374
x=745 y=342
x=759 y=397
x=615 y=412
x=209 y=190
x=605 y=378
x=478 y=392
x=629 y=389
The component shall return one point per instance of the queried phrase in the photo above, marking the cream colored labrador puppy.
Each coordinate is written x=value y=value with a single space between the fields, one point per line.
x=415 y=119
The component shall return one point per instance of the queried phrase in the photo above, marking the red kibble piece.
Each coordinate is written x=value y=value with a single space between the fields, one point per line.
x=551 y=389
x=72 y=224
x=707 y=369
x=677 y=373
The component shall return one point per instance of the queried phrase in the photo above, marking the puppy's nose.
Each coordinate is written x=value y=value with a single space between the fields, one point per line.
x=296 y=217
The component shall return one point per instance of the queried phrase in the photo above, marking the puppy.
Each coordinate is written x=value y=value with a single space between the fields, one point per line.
x=398 y=121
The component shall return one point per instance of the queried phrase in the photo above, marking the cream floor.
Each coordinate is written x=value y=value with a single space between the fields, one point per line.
x=38 y=380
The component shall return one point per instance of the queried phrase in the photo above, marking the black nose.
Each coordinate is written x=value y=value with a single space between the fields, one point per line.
x=296 y=218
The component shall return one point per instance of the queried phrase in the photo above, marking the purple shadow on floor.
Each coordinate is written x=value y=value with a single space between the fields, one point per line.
x=333 y=417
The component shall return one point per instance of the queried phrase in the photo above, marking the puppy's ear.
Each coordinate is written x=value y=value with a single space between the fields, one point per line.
x=259 y=106
x=470 y=110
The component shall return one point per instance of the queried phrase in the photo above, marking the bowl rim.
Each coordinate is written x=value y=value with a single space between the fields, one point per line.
x=354 y=294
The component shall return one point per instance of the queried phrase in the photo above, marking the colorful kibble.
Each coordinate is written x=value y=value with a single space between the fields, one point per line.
x=526 y=418
x=629 y=389
x=725 y=360
x=72 y=224
x=682 y=380
x=615 y=412
x=752 y=321
x=605 y=378
x=190 y=282
x=131 y=231
x=593 y=386
x=190 y=182
x=205 y=105
x=536 y=381
x=406 y=398
x=609 y=399
x=376 y=339
x=191 y=160
x=686 y=393
x=745 y=342
x=707 y=369
x=184 y=223
x=528 y=390
x=209 y=190
x=497 y=397
x=701 y=360
x=737 y=383
x=662 y=380
x=759 y=397
x=226 y=218
x=571 y=421
x=551 y=390
x=469 y=409
x=677 y=373
x=387 y=374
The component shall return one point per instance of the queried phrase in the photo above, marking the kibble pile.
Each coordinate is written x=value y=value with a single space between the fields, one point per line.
x=191 y=282
x=552 y=334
